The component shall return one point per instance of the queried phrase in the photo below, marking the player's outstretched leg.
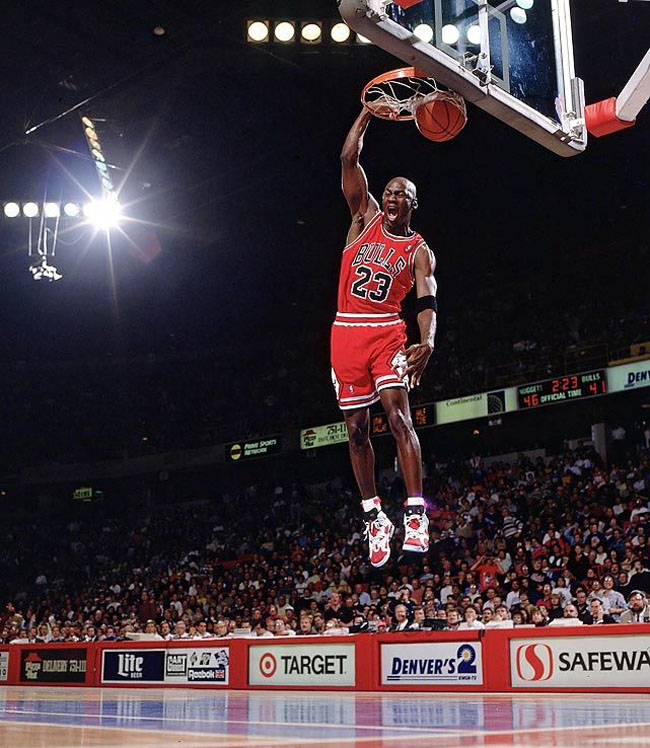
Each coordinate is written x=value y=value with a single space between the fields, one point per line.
x=378 y=527
x=416 y=522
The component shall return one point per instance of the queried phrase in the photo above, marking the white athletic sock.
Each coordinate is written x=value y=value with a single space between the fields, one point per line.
x=369 y=504
x=415 y=501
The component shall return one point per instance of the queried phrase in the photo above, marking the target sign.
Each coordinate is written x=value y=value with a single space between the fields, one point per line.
x=268 y=665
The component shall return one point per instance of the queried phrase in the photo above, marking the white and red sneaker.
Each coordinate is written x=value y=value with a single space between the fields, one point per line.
x=378 y=532
x=416 y=533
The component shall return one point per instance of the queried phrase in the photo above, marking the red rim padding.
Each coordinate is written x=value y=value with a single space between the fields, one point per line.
x=602 y=120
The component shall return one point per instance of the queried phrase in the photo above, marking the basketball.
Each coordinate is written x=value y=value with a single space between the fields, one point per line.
x=442 y=118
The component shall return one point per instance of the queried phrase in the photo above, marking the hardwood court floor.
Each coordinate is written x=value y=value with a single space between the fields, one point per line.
x=171 y=718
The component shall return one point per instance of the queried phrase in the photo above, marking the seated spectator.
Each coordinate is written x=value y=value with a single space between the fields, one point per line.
x=260 y=631
x=418 y=621
x=615 y=601
x=598 y=615
x=305 y=627
x=281 y=629
x=221 y=630
x=471 y=619
x=180 y=630
x=638 y=608
x=453 y=620
x=401 y=620
x=555 y=609
x=519 y=617
x=201 y=630
x=583 y=607
x=570 y=611
x=538 y=617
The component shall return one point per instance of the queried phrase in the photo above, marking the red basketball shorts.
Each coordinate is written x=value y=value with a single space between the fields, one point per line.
x=367 y=357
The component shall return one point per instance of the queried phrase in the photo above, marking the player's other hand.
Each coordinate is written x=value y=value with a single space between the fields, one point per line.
x=417 y=357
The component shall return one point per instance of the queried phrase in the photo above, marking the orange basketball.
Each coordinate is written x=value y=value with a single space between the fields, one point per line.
x=441 y=118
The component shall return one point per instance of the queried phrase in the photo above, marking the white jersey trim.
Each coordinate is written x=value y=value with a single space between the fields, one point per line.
x=412 y=260
x=372 y=221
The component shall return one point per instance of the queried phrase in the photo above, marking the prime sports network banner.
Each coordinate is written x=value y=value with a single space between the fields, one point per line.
x=494 y=403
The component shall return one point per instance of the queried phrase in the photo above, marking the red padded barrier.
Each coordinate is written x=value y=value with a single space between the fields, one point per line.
x=407 y=3
x=546 y=656
x=615 y=657
x=601 y=118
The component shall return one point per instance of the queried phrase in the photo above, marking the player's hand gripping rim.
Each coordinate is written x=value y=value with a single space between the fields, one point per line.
x=417 y=357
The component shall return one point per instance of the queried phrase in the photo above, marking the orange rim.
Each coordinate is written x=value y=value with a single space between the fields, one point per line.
x=391 y=75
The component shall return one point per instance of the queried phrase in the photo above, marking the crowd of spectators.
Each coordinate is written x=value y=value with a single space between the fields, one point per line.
x=526 y=542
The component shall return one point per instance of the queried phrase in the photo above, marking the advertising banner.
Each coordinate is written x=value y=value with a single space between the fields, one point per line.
x=574 y=661
x=480 y=405
x=133 y=666
x=629 y=376
x=245 y=450
x=53 y=665
x=302 y=665
x=201 y=665
x=432 y=663
x=4 y=666
x=321 y=436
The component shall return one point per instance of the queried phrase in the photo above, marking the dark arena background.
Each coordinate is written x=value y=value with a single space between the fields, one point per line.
x=175 y=481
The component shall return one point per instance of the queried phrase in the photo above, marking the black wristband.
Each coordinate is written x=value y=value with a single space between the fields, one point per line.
x=427 y=302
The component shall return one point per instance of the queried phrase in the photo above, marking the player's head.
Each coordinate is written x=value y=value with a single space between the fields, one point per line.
x=399 y=201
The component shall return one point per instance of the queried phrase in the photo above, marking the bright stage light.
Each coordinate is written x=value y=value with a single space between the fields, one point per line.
x=525 y=4
x=91 y=133
x=87 y=122
x=11 y=210
x=474 y=34
x=30 y=209
x=103 y=214
x=71 y=210
x=311 y=33
x=518 y=15
x=284 y=31
x=450 y=34
x=361 y=39
x=258 y=31
x=424 y=32
x=340 y=33
x=52 y=210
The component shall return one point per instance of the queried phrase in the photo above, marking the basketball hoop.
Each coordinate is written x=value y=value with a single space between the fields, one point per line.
x=397 y=94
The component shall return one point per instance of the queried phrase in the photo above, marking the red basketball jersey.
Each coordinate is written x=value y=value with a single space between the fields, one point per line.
x=377 y=271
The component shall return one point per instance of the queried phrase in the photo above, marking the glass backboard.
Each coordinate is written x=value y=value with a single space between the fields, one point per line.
x=513 y=59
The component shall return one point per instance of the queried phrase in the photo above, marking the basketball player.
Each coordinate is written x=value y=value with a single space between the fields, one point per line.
x=382 y=260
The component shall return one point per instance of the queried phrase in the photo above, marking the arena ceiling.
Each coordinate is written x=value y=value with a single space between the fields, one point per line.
x=231 y=150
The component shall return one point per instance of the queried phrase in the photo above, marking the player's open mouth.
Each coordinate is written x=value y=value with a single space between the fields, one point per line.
x=391 y=211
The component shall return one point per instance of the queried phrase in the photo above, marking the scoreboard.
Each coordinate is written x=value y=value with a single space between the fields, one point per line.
x=562 y=389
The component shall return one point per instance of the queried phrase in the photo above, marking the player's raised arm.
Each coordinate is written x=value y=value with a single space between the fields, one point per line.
x=417 y=355
x=362 y=204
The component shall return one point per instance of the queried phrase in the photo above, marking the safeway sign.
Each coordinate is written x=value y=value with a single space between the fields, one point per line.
x=621 y=661
x=301 y=665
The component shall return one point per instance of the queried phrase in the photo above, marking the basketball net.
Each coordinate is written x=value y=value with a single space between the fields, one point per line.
x=397 y=94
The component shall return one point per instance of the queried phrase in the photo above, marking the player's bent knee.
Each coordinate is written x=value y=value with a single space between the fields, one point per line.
x=400 y=424
x=359 y=438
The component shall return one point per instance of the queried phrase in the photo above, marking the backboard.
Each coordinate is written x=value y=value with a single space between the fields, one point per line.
x=512 y=58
